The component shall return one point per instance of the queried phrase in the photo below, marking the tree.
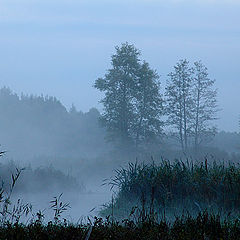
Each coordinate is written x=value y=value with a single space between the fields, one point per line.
x=204 y=104
x=239 y=123
x=73 y=110
x=191 y=103
x=118 y=84
x=132 y=100
x=149 y=106
x=179 y=102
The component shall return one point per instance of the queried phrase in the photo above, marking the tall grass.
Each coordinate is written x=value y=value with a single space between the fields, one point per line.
x=144 y=184
x=171 y=188
x=203 y=227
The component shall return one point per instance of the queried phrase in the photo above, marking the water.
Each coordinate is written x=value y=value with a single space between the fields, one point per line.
x=82 y=204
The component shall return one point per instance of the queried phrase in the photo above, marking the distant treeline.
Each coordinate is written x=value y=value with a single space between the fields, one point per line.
x=41 y=125
x=33 y=126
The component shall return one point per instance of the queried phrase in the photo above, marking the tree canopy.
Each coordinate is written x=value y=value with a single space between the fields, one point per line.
x=132 y=101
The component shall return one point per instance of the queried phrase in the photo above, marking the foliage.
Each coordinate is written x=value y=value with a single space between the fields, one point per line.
x=41 y=125
x=145 y=225
x=203 y=226
x=149 y=107
x=179 y=102
x=132 y=102
x=204 y=104
x=191 y=104
x=58 y=207
x=12 y=213
x=176 y=187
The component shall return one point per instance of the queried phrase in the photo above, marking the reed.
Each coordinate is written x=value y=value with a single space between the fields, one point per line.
x=174 y=188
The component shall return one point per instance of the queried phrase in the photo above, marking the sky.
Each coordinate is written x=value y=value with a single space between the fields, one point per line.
x=60 y=47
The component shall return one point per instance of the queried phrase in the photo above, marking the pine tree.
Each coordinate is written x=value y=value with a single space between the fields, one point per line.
x=73 y=110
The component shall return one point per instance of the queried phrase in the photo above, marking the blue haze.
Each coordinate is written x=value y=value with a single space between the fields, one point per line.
x=60 y=47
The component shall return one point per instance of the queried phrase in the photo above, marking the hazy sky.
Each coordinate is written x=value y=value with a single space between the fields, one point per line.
x=59 y=47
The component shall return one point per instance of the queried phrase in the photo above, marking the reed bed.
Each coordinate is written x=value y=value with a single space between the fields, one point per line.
x=151 y=193
x=170 y=189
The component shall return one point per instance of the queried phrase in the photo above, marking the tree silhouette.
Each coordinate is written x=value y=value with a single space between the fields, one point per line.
x=132 y=102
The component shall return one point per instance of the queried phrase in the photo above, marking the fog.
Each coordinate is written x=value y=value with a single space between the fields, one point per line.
x=68 y=44
x=52 y=52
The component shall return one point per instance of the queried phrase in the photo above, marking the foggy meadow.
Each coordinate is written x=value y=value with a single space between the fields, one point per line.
x=120 y=119
x=78 y=153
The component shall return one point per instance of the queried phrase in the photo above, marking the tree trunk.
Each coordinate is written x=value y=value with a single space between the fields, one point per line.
x=196 y=134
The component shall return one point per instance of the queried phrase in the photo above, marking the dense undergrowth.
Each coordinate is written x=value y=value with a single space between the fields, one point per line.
x=170 y=189
x=203 y=227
